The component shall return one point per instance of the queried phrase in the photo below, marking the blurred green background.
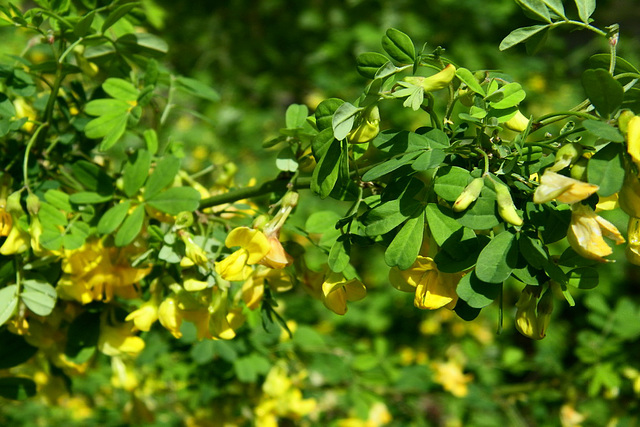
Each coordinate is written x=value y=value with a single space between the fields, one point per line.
x=385 y=362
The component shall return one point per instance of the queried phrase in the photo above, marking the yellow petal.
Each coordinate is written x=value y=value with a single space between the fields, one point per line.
x=253 y=241
x=234 y=267
x=276 y=257
x=336 y=301
x=562 y=188
x=435 y=291
x=193 y=285
x=633 y=139
x=584 y=234
x=170 y=317
x=144 y=317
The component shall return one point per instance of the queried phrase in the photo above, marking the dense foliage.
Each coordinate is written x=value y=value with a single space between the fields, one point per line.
x=141 y=283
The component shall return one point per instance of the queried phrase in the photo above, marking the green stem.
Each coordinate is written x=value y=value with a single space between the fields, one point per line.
x=25 y=162
x=561 y=115
x=486 y=161
x=256 y=191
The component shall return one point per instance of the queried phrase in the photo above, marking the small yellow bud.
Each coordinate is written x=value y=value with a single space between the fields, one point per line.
x=439 y=80
x=468 y=195
x=368 y=126
x=506 y=208
x=517 y=123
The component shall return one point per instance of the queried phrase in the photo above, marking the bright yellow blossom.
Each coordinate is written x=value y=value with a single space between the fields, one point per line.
x=170 y=316
x=337 y=290
x=145 y=316
x=119 y=340
x=433 y=288
x=451 y=377
x=253 y=287
x=633 y=139
x=254 y=246
x=586 y=230
x=562 y=188
x=633 y=235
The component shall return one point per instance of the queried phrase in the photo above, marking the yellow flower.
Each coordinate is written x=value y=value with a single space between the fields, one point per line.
x=170 y=316
x=517 y=123
x=5 y=222
x=99 y=272
x=145 y=316
x=532 y=317
x=223 y=322
x=586 y=230
x=562 y=188
x=253 y=287
x=433 y=288
x=123 y=375
x=629 y=195
x=451 y=377
x=276 y=257
x=17 y=240
x=254 y=245
x=119 y=340
x=337 y=290
x=633 y=139
x=194 y=253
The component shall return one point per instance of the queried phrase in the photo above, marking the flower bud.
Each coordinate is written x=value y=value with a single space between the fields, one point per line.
x=435 y=82
x=545 y=308
x=468 y=195
x=629 y=195
x=579 y=169
x=368 y=127
x=526 y=318
x=566 y=155
x=506 y=208
x=33 y=204
x=517 y=123
x=170 y=316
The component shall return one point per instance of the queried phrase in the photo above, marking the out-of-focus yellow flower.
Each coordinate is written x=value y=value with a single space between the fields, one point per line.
x=194 y=285
x=223 y=322
x=281 y=400
x=585 y=234
x=94 y=273
x=253 y=287
x=433 y=288
x=633 y=139
x=337 y=290
x=17 y=240
x=451 y=377
x=119 y=340
x=145 y=316
x=194 y=253
x=570 y=417
x=562 y=188
x=123 y=376
x=629 y=195
x=254 y=245
x=378 y=416
x=24 y=110
x=170 y=316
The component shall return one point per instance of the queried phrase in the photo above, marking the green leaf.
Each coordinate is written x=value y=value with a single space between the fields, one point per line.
x=8 y=302
x=475 y=292
x=343 y=120
x=428 y=160
x=136 y=171
x=76 y=235
x=585 y=9
x=405 y=247
x=606 y=169
x=520 y=35
x=460 y=251
x=369 y=63
x=163 y=174
x=110 y=126
x=556 y=7
x=465 y=312
x=92 y=177
x=441 y=222
x=14 y=350
x=450 y=182
x=194 y=87
x=325 y=174
x=481 y=215
x=324 y=112
x=176 y=200
x=469 y=79
x=533 y=251
x=58 y=199
x=339 y=255
x=49 y=215
x=82 y=337
x=389 y=166
x=89 y=198
x=143 y=43
x=17 y=388
x=296 y=116
x=387 y=216
x=604 y=92
x=106 y=106
x=151 y=139
x=248 y=368
x=286 y=161
x=39 y=296
x=399 y=46
x=536 y=9
x=121 y=89
x=322 y=222
x=498 y=259
x=117 y=14
x=507 y=96
x=603 y=130
x=83 y=26
x=583 y=277
x=112 y=218
x=602 y=60
x=131 y=227
x=393 y=143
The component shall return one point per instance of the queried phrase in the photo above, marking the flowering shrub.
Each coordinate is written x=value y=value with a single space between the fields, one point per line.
x=104 y=234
